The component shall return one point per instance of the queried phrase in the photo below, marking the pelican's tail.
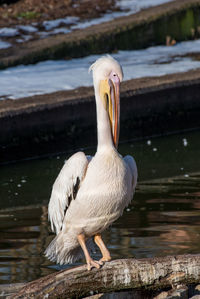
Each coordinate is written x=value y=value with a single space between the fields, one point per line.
x=65 y=249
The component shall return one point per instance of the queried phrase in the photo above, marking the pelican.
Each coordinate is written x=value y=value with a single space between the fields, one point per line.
x=90 y=193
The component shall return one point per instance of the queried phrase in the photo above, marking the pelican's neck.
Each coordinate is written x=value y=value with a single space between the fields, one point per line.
x=103 y=125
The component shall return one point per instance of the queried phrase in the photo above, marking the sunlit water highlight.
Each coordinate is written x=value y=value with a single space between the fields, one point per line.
x=163 y=219
x=51 y=76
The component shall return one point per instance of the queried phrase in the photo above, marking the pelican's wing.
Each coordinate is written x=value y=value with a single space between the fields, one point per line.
x=133 y=168
x=65 y=188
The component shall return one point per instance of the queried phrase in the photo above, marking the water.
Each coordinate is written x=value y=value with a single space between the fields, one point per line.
x=163 y=219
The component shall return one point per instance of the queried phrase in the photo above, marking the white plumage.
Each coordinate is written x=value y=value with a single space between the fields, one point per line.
x=92 y=192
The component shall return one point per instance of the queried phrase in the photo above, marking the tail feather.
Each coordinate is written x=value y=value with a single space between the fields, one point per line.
x=65 y=249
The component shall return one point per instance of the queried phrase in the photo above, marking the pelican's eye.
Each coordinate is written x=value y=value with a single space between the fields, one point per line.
x=114 y=77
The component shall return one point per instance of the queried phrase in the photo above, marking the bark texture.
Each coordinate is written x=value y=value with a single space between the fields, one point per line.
x=116 y=275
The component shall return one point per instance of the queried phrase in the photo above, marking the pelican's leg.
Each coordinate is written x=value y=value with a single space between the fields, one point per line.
x=90 y=262
x=104 y=250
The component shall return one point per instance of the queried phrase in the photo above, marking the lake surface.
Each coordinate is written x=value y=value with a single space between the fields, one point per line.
x=163 y=218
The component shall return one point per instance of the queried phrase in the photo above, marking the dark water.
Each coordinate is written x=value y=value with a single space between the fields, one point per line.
x=163 y=219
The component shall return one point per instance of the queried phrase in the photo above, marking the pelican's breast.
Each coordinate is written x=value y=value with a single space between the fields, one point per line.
x=103 y=194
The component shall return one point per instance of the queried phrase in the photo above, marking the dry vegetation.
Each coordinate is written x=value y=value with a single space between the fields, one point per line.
x=28 y=11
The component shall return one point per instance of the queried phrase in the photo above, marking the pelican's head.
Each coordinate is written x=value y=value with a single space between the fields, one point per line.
x=107 y=75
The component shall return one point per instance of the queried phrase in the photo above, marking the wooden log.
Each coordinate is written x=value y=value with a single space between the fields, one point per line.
x=116 y=275
x=6 y=289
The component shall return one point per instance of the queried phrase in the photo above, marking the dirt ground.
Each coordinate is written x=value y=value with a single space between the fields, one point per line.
x=29 y=11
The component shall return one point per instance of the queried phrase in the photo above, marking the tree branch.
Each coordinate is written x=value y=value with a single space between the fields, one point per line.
x=115 y=275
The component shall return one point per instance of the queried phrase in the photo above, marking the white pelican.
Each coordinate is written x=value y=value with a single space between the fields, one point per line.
x=92 y=192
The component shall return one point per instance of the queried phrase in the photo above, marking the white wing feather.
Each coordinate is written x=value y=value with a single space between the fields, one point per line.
x=133 y=168
x=74 y=168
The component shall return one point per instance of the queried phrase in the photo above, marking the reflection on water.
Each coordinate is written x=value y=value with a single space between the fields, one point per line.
x=163 y=219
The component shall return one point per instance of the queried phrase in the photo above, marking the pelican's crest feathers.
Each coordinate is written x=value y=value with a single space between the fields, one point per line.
x=104 y=65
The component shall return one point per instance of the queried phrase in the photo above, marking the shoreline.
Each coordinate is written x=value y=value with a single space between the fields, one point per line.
x=178 y=20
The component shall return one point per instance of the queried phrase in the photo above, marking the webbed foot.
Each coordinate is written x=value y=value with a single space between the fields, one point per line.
x=105 y=258
x=91 y=263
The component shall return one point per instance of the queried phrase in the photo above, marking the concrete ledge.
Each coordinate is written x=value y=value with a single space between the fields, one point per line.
x=178 y=19
x=64 y=121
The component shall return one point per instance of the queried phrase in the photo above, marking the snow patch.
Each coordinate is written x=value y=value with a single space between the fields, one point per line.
x=8 y=32
x=134 y=6
x=49 y=25
x=50 y=76
x=70 y=23
x=4 y=45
